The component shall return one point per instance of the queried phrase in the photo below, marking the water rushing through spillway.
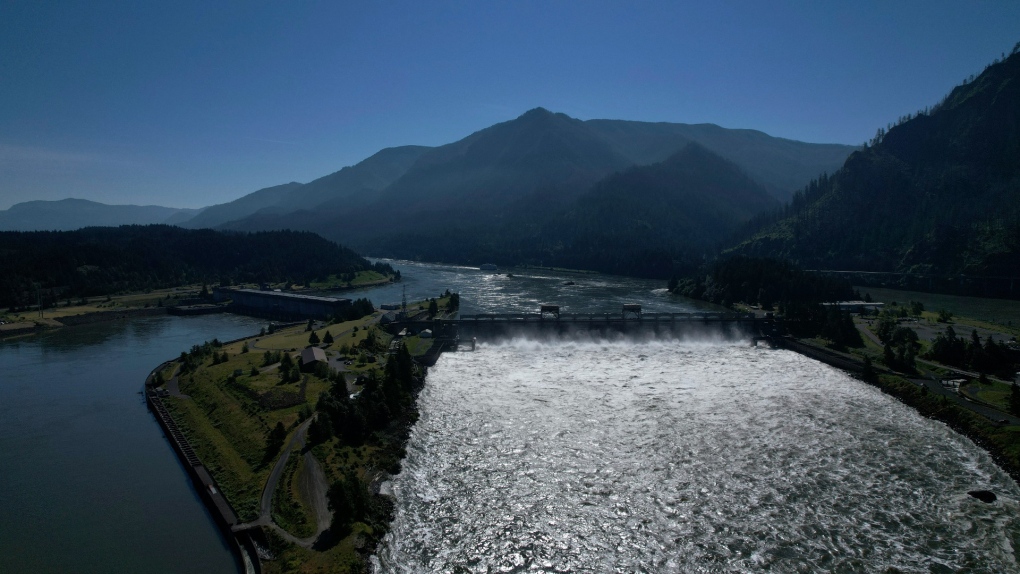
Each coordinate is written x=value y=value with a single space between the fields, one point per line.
x=684 y=457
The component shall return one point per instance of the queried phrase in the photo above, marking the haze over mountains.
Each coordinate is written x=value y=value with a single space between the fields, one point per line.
x=68 y=214
x=539 y=152
x=539 y=161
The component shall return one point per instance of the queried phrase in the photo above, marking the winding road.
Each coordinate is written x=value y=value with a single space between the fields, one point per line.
x=314 y=484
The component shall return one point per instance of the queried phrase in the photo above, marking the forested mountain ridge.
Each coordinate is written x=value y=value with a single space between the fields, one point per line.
x=106 y=260
x=650 y=220
x=67 y=214
x=781 y=165
x=939 y=193
x=540 y=157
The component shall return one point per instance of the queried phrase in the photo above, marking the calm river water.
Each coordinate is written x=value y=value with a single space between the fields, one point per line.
x=87 y=481
x=577 y=456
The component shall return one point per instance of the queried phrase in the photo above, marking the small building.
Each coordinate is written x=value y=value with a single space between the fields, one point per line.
x=310 y=356
x=856 y=306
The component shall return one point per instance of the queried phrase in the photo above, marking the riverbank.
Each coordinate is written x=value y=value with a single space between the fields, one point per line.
x=245 y=406
x=184 y=300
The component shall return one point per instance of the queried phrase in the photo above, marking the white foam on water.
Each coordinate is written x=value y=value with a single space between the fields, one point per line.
x=683 y=456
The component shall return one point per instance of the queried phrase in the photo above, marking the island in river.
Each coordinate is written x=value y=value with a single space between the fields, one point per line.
x=298 y=426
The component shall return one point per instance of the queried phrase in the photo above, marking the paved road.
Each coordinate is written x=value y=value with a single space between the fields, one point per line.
x=173 y=386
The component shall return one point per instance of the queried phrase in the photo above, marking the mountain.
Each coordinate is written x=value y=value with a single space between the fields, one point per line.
x=497 y=165
x=939 y=193
x=67 y=214
x=537 y=163
x=351 y=187
x=219 y=214
x=646 y=220
x=781 y=165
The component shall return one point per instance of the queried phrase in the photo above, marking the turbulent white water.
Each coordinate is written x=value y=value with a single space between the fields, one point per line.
x=684 y=457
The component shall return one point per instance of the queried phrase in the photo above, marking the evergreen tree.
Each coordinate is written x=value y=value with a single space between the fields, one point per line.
x=868 y=371
x=328 y=338
x=313 y=339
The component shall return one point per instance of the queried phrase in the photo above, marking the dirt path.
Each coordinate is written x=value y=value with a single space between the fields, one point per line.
x=314 y=486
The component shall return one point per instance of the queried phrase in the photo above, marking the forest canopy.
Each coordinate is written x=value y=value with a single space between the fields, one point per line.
x=54 y=265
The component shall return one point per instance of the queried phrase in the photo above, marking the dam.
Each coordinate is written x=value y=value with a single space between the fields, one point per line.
x=630 y=321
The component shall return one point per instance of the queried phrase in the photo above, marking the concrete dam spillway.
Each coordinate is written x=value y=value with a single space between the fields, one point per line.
x=631 y=323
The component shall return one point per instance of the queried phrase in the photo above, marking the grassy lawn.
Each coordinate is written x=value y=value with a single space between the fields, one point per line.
x=361 y=279
x=112 y=303
x=995 y=312
x=228 y=426
x=996 y=393
x=417 y=346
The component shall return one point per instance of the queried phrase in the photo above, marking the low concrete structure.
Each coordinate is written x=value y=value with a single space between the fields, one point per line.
x=282 y=305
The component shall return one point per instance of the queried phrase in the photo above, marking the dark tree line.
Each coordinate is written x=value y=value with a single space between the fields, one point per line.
x=381 y=415
x=986 y=357
x=769 y=283
x=780 y=286
x=58 y=265
x=359 y=308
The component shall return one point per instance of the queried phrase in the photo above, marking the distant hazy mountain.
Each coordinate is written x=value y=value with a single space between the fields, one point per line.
x=939 y=193
x=351 y=187
x=539 y=162
x=68 y=214
x=781 y=165
x=647 y=220
x=215 y=215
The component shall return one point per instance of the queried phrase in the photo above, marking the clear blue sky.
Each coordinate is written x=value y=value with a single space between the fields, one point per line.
x=189 y=104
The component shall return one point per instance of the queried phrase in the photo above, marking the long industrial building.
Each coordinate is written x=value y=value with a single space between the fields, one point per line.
x=281 y=305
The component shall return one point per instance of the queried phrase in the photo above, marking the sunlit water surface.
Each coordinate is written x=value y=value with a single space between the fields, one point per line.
x=684 y=457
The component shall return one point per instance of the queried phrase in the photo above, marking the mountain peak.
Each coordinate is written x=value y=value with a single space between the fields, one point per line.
x=538 y=112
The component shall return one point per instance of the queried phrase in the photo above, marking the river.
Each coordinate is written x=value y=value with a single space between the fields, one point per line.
x=88 y=483
x=668 y=456
x=583 y=457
